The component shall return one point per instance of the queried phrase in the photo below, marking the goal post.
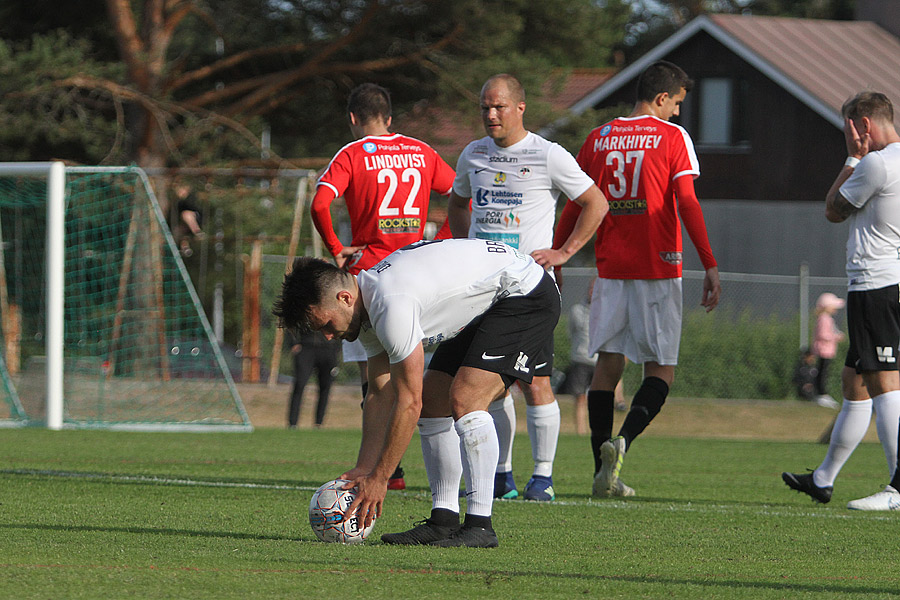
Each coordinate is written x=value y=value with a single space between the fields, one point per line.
x=109 y=330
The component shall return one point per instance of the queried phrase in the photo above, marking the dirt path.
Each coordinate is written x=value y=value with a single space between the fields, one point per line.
x=681 y=417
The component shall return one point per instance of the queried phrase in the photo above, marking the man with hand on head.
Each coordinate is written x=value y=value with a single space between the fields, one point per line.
x=866 y=193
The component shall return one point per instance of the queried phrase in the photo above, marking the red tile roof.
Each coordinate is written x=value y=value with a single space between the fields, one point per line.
x=831 y=60
x=822 y=63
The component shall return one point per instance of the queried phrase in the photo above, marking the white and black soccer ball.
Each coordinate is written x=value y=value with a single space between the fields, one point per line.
x=326 y=515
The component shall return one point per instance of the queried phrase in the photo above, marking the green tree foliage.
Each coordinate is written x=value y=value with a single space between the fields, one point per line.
x=44 y=114
x=192 y=82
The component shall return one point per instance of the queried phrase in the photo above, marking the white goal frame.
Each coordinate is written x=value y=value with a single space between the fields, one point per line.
x=55 y=174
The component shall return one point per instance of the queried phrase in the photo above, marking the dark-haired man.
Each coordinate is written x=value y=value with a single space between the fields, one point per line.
x=489 y=307
x=386 y=180
x=646 y=167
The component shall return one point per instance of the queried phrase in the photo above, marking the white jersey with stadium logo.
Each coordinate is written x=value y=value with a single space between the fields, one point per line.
x=514 y=190
x=873 y=246
x=429 y=291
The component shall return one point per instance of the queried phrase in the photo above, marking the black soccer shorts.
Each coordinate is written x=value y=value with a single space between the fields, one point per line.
x=873 y=322
x=509 y=339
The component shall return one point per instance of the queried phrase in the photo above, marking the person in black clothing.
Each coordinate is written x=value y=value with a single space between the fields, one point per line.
x=312 y=352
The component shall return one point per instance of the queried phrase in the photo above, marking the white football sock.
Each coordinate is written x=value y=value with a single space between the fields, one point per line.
x=887 y=422
x=503 y=412
x=443 y=463
x=543 y=429
x=849 y=428
x=479 y=438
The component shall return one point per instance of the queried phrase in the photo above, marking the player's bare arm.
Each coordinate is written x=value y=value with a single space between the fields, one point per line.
x=837 y=208
x=406 y=383
x=458 y=215
x=593 y=210
x=377 y=410
x=712 y=289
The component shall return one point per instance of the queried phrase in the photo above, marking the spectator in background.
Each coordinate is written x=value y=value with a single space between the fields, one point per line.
x=825 y=344
x=582 y=363
x=189 y=215
x=312 y=352
x=805 y=376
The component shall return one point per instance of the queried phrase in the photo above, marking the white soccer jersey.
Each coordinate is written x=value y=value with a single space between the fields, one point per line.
x=429 y=291
x=514 y=190
x=873 y=247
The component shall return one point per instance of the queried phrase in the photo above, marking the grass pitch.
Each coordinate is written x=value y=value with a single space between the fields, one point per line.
x=92 y=514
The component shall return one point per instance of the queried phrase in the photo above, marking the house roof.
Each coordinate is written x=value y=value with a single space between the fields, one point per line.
x=820 y=62
x=448 y=132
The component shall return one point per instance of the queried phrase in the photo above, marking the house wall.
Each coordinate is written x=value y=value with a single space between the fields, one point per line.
x=774 y=238
x=793 y=153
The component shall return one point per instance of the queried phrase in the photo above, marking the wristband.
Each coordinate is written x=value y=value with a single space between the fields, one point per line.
x=851 y=162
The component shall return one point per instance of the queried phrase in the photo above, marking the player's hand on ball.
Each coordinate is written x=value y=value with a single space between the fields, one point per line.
x=371 y=490
x=354 y=473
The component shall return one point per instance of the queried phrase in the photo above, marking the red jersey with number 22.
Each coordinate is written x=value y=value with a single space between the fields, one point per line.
x=386 y=182
x=635 y=162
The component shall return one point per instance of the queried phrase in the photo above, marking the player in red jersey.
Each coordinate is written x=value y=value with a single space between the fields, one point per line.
x=646 y=168
x=386 y=180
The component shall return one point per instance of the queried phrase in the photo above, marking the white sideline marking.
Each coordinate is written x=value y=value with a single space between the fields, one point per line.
x=686 y=507
x=155 y=479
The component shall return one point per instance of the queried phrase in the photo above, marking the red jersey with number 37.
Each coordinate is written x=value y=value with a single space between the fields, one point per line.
x=635 y=162
x=386 y=182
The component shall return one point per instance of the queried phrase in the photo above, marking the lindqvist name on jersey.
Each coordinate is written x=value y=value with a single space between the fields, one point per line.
x=394 y=161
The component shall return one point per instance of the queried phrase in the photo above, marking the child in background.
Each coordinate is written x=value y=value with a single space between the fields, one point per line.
x=825 y=344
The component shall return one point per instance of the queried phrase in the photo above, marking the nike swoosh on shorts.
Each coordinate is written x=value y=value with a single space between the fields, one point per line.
x=486 y=356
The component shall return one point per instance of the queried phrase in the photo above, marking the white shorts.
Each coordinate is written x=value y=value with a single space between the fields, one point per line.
x=354 y=351
x=640 y=318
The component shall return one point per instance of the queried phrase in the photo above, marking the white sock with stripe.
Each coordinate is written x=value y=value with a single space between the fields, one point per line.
x=543 y=429
x=849 y=428
x=503 y=411
x=443 y=463
x=479 y=438
x=887 y=422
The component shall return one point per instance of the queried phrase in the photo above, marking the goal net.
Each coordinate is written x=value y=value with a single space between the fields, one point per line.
x=101 y=326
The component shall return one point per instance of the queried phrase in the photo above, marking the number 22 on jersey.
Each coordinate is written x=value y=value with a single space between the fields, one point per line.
x=408 y=176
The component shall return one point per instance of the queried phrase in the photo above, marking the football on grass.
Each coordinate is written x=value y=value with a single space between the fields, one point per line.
x=326 y=515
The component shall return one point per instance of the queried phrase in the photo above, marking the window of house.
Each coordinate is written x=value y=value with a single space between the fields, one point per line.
x=715 y=118
x=715 y=113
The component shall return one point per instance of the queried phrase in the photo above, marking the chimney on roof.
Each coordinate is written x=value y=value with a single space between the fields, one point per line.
x=885 y=13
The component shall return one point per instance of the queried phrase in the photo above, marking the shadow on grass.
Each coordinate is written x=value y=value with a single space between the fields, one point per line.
x=710 y=582
x=152 y=531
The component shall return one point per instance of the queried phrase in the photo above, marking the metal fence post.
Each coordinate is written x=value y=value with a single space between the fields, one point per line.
x=804 y=305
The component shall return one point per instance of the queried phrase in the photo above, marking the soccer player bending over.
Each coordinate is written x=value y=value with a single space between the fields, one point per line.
x=489 y=308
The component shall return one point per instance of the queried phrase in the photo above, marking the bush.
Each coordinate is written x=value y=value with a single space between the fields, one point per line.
x=727 y=355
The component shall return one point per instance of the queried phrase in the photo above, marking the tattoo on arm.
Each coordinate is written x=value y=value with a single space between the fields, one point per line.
x=842 y=207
